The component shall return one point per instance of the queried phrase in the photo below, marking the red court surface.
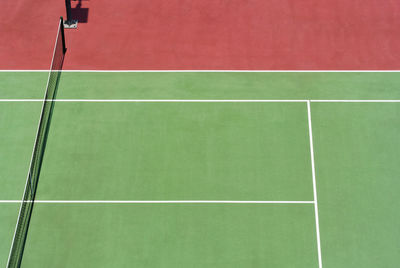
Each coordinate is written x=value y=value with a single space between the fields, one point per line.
x=206 y=35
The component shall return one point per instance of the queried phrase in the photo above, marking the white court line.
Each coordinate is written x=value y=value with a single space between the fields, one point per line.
x=158 y=202
x=215 y=71
x=21 y=100
x=188 y=100
x=314 y=185
x=354 y=100
x=142 y=100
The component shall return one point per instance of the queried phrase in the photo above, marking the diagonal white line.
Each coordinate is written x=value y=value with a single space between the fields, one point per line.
x=314 y=185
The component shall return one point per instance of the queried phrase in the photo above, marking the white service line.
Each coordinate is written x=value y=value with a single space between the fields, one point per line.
x=159 y=202
x=141 y=100
x=354 y=100
x=21 y=100
x=170 y=100
x=314 y=184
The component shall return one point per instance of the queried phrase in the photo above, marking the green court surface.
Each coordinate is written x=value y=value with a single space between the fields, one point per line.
x=103 y=157
x=177 y=151
x=172 y=235
x=8 y=213
x=18 y=129
x=357 y=149
x=206 y=85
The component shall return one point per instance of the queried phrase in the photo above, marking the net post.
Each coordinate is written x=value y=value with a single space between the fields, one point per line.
x=69 y=23
x=62 y=34
x=68 y=8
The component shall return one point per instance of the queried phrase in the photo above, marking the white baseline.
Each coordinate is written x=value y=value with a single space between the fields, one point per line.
x=158 y=202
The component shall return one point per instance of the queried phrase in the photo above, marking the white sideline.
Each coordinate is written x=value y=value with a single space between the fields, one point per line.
x=314 y=185
x=158 y=202
x=189 y=100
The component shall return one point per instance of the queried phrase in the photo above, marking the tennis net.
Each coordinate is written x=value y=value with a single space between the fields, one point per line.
x=25 y=212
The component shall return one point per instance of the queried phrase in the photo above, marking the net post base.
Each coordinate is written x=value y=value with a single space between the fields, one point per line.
x=72 y=24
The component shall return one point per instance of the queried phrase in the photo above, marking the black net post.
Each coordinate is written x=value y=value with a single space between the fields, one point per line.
x=62 y=34
x=68 y=7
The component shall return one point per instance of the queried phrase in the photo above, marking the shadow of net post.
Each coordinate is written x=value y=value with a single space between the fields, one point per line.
x=79 y=13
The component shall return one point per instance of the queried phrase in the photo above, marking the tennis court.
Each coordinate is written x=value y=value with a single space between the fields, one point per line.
x=200 y=134
x=206 y=169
